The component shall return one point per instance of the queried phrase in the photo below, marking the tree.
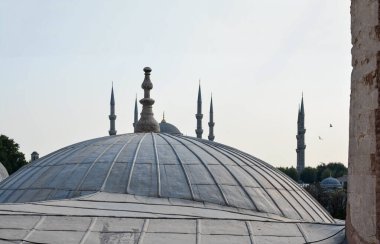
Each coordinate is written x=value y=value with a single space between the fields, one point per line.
x=336 y=170
x=291 y=172
x=308 y=175
x=10 y=156
x=326 y=173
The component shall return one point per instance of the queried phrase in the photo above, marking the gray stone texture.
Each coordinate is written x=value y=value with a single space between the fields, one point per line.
x=363 y=215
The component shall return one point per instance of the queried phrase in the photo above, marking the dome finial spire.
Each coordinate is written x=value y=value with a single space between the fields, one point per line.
x=163 y=117
x=147 y=123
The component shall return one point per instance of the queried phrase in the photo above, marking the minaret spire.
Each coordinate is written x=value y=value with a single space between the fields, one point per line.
x=211 y=124
x=199 y=114
x=301 y=138
x=112 y=115
x=136 y=115
x=147 y=123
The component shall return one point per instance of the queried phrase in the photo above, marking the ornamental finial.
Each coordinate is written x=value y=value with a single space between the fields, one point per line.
x=147 y=123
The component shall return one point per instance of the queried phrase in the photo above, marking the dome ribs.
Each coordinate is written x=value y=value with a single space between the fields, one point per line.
x=127 y=190
x=114 y=161
x=206 y=166
x=174 y=168
x=76 y=192
x=294 y=186
x=229 y=171
x=258 y=162
x=34 y=174
x=182 y=166
x=157 y=165
x=274 y=187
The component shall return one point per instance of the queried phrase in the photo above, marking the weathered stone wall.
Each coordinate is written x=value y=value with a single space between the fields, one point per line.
x=363 y=215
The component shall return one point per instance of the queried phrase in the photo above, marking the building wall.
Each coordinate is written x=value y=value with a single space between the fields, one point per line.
x=363 y=210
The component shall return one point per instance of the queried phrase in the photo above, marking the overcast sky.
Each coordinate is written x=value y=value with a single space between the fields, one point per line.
x=58 y=59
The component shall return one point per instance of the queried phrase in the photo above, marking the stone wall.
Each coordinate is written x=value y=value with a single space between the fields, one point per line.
x=363 y=210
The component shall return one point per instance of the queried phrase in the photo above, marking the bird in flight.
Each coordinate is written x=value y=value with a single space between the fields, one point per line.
x=320 y=138
x=331 y=125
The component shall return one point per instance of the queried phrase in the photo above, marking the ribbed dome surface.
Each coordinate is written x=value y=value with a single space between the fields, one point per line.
x=162 y=165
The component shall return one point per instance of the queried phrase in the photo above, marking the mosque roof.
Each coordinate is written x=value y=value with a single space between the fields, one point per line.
x=155 y=187
x=331 y=182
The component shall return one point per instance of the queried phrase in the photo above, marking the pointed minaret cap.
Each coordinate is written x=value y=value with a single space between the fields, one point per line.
x=163 y=118
x=147 y=123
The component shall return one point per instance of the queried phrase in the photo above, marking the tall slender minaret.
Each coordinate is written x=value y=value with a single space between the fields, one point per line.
x=136 y=117
x=211 y=124
x=147 y=123
x=199 y=114
x=112 y=115
x=301 y=139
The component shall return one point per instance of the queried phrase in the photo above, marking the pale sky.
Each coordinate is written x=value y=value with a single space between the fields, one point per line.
x=59 y=58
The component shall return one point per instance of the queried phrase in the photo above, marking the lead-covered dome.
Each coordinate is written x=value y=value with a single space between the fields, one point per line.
x=168 y=128
x=162 y=166
x=3 y=172
x=331 y=182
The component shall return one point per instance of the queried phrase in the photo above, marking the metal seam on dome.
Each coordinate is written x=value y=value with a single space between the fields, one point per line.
x=275 y=188
x=250 y=231
x=144 y=229
x=198 y=231
x=284 y=188
x=89 y=230
x=19 y=172
x=304 y=193
x=208 y=169
x=133 y=164
x=181 y=163
x=157 y=165
x=265 y=190
x=297 y=191
x=54 y=191
x=91 y=166
x=113 y=163
x=30 y=175
x=229 y=171
x=316 y=204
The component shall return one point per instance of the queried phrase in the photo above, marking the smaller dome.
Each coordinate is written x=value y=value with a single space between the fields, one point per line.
x=331 y=182
x=3 y=172
x=169 y=128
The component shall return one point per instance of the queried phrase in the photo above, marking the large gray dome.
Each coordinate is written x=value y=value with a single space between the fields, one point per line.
x=163 y=166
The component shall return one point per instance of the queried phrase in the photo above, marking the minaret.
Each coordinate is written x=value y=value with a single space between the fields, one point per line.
x=136 y=118
x=112 y=115
x=199 y=114
x=301 y=139
x=211 y=124
x=147 y=123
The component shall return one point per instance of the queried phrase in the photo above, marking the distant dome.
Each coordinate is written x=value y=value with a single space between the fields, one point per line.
x=169 y=128
x=3 y=172
x=163 y=166
x=331 y=182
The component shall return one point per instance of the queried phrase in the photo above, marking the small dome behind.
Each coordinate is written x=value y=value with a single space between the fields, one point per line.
x=331 y=182
x=3 y=172
x=169 y=128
